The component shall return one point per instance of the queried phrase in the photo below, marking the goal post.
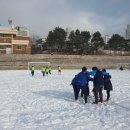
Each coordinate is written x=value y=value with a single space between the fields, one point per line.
x=38 y=65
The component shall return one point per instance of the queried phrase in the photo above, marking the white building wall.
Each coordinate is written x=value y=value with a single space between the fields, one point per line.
x=128 y=32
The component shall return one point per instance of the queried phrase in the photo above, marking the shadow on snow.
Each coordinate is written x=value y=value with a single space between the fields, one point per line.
x=68 y=96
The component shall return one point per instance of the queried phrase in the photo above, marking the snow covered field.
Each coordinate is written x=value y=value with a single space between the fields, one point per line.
x=37 y=103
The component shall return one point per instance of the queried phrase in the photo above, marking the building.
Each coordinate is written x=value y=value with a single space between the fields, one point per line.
x=106 y=39
x=128 y=32
x=14 y=40
x=68 y=31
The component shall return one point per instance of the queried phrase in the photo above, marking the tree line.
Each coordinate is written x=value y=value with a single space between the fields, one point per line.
x=80 y=42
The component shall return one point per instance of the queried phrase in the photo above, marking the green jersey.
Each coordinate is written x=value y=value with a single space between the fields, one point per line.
x=43 y=69
x=33 y=68
x=47 y=70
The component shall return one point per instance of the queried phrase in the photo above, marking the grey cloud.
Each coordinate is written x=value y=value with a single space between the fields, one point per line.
x=40 y=16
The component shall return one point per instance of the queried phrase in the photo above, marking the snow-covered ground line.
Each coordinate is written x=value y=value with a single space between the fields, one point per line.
x=37 y=103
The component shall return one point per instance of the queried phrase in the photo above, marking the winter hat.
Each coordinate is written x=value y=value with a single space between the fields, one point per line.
x=104 y=70
x=94 y=68
x=84 y=69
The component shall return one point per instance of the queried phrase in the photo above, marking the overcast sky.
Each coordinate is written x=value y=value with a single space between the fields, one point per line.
x=41 y=16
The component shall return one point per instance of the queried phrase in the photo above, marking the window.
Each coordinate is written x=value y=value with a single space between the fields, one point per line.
x=4 y=46
x=5 y=35
x=19 y=47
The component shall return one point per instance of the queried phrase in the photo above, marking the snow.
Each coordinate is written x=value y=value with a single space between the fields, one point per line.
x=47 y=103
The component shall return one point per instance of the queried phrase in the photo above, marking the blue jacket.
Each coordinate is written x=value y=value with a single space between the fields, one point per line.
x=80 y=80
x=88 y=73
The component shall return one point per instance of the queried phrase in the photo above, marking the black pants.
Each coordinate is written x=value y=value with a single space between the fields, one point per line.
x=32 y=72
x=108 y=94
x=43 y=73
x=98 y=90
x=87 y=91
x=76 y=92
x=49 y=71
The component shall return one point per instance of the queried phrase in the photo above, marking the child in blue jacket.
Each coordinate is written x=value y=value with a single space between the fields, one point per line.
x=80 y=82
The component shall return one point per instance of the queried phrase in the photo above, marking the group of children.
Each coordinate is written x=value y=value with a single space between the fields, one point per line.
x=45 y=70
x=100 y=79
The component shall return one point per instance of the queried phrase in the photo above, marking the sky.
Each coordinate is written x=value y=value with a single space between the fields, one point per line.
x=41 y=16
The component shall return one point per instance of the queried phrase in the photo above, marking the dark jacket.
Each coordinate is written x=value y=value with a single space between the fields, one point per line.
x=107 y=83
x=98 y=79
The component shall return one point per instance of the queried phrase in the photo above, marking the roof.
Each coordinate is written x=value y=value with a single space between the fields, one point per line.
x=7 y=30
x=20 y=28
x=5 y=27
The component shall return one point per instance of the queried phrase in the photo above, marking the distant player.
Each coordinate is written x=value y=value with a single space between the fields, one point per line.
x=47 y=70
x=43 y=70
x=50 y=69
x=32 y=70
x=121 y=68
x=59 y=70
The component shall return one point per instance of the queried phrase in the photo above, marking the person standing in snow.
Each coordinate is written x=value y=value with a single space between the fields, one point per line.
x=32 y=70
x=50 y=69
x=121 y=68
x=80 y=82
x=107 y=84
x=43 y=70
x=47 y=70
x=87 y=85
x=98 y=85
x=59 y=70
